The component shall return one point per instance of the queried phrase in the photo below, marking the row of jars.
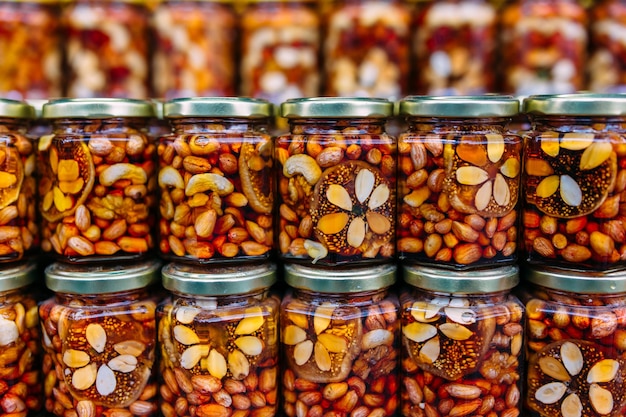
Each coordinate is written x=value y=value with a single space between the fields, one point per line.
x=222 y=343
x=337 y=190
x=275 y=49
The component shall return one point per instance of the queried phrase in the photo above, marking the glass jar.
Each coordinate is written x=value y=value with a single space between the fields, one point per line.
x=99 y=339
x=340 y=335
x=218 y=336
x=543 y=47
x=97 y=186
x=575 y=342
x=30 y=45
x=216 y=181
x=462 y=339
x=455 y=47
x=337 y=182
x=19 y=234
x=606 y=66
x=574 y=178
x=366 y=49
x=106 y=49
x=194 y=52
x=459 y=181
x=279 y=50
x=20 y=341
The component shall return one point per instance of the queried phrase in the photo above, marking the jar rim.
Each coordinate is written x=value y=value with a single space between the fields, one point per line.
x=333 y=280
x=459 y=106
x=217 y=107
x=17 y=276
x=97 y=108
x=575 y=280
x=337 y=108
x=577 y=104
x=103 y=278
x=16 y=109
x=216 y=281
x=478 y=281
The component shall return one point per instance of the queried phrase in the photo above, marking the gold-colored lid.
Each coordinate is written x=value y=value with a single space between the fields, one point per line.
x=459 y=106
x=336 y=107
x=16 y=276
x=580 y=104
x=189 y=279
x=480 y=281
x=217 y=107
x=16 y=109
x=102 y=279
x=336 y=280
x=97 y=108
x=577 y=281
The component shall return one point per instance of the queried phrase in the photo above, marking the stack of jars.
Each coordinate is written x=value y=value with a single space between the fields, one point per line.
x=20 y=350
x=97 y=200
x=573 y=242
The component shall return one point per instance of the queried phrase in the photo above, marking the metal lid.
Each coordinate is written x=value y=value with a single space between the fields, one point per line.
x=581 y=104
x=340 y=280
x=16 y=109
x=17 y=276
x=336 y=107
x=480 y=281
x=217 y=107
x=460 y=106
x=577 y=281
x=97 y=108
x=83 y=279
x=190 y=279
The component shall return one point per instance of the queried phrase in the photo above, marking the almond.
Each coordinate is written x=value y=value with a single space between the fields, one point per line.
x=467 y=253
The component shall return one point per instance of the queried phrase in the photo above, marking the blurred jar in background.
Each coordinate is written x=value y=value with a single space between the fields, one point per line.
x=544 y=44
x=607 y=64
x=279 y=50
x=107 y=49
x=30 y=47
x=366 y=49
x=194 y=53
x=454 y=46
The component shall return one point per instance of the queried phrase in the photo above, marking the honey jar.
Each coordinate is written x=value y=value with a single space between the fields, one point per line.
x=218 y=338
x=19 y=233
x=606 y=66
x=99 y=339
x=575 y=342
x=97 y=186
x=462 y=342
x=20 y=341
x=337 y=181
x=340 y=334
x=216 y=181
x=458 y=181
x=574 y=159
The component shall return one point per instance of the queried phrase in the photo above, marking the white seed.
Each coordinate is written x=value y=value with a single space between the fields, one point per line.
x=185 y=315
x=192 y=355
x=129 y=347
x=8 y=332
x=123 y=363
x=571 y=406
x=601 y=399
x=572 y=358
x=96 y=336
x=252 y=321
x=550 y=393
x=185 y=335
x=302 y=352
x=322 y=317
x=216 y=364
x=84 y=377
x=364 y=184
x=105 y=380
x=238 y=365
x=603 y=371
x=430 y=351
x=376 y=338
x=250 y=345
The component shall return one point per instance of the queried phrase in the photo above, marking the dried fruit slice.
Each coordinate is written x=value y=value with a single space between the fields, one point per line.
x=573 y=379
x=325 y=349
x=256 y=185
x=11 y=176
x=346 y=199
x=448 y=349
x=74 y=165
x=575 y=181
x=482 y=174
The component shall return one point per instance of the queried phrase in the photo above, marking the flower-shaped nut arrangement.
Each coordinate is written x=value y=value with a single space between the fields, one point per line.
x=570 y=175
x=323 y=351
x=352 y=209
x=219 y=348
x=447 y=337
x=575 y=379
x=100 y=369
x=483 y=174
